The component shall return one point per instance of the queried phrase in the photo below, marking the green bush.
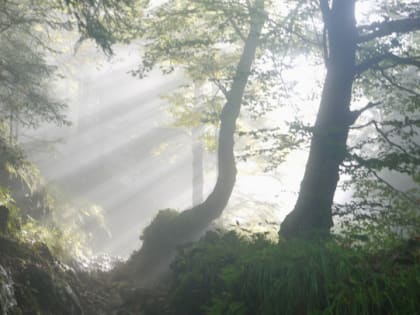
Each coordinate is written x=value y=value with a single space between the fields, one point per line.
x=227 y=274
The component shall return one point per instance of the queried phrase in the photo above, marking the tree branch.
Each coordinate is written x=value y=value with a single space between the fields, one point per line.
x=325 y=10
x=356 y=113
x=390 y=142
x=363 y=126
x=371 y=62
x=406 y=195
x=398 y=86
x=411 y=61
x=376 y=30
x=236 y=28
x=362 y=163
x=221 y=87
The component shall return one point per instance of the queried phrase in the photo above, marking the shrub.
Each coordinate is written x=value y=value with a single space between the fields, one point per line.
x=227 y=274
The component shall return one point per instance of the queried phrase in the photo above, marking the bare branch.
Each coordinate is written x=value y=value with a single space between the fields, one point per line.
x=376 y=30
x=354 y=115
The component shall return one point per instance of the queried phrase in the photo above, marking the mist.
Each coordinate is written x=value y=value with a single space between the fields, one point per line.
x=123 y=154
x=204 y=157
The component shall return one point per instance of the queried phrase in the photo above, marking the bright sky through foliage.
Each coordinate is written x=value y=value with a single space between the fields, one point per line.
x=117 y=99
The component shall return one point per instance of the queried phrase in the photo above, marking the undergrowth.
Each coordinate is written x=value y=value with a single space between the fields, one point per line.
x=230 y=275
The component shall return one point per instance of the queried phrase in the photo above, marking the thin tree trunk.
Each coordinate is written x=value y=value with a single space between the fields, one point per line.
x=213 y=206
x=197 y=164
x=312 y=212
x=197 y=159
x=160 y=239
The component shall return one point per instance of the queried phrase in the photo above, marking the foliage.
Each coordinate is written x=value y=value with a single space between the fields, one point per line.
x=13 y=223
x=64 y=241
x=39 y=215
x=27 y=31
x=383 y=160
x=105 y=21
x=224 y=274
x=24 y=72
x=202 y=40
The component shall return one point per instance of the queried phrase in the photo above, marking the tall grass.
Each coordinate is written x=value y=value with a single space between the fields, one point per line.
x=226 y=274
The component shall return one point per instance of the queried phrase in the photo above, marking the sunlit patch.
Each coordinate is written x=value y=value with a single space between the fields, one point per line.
x=367 y=11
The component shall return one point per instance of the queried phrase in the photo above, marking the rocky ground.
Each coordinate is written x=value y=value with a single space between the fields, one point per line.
x=33 y=282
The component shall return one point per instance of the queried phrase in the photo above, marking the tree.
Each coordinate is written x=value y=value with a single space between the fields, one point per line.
x=105 y=21
x=349 y=51
x=24 y=72
x=383 y=162
x=170 y=230
x=25 y=29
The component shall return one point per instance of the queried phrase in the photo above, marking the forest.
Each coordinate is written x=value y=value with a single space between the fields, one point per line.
x=209 y=157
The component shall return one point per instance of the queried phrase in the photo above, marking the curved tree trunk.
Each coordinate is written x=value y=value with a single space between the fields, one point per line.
x=169 y=230
x=312 y=212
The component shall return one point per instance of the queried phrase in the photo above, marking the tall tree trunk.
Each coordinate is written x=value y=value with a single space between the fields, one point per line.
x=312 y=212
x=197 y=168
x=169 y=230
x=197 y=159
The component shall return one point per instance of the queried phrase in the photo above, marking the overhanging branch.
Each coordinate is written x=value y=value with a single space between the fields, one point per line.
x=397 y=60
x=376 y=30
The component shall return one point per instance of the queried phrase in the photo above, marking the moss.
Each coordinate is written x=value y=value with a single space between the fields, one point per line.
x=169 y=230
x=157 y=233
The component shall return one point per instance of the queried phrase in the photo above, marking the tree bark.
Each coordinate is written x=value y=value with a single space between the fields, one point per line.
x=312 y=213
x=197 y=168
x=197 y=159
x=167 y=231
